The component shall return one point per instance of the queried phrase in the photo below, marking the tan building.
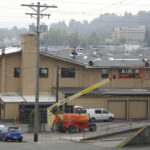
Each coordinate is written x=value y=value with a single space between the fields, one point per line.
x=129 y=34
x=126 y=98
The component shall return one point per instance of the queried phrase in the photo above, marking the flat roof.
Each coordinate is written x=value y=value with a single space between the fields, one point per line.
x=105 y=57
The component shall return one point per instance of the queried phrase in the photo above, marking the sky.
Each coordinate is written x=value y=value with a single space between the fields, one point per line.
x=12 y=13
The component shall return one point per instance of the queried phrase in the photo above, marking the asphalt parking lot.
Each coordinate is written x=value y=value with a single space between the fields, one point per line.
x=48 y=138
x=52 y=141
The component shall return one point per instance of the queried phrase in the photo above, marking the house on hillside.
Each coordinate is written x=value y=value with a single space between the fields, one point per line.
x=127 y=98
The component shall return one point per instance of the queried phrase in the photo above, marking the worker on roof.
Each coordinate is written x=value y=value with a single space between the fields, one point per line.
x=74 y=53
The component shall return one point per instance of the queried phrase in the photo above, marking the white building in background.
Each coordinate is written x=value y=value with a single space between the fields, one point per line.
x=129 y=34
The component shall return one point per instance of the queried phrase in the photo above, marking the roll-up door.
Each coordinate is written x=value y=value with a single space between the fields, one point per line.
x=138 y=109
x=118 y=108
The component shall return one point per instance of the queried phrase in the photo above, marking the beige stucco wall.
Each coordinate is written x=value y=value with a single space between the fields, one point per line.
x=12 y=84
x=11 y=111
x=89 y=102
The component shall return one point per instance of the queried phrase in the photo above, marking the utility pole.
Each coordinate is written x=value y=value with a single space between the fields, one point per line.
x=37 y=15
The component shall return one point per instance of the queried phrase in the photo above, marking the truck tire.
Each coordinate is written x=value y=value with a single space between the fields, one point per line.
x=61 y=129
x=20 y=140
x=110 y=119
x=92 y=120
x=92 y=127
x=72 y=129
x=4 y=139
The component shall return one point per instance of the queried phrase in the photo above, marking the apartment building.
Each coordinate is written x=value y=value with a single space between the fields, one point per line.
x=129 y=34
x=127 y=98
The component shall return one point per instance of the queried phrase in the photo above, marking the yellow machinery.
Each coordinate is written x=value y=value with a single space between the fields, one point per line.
x=52 y=118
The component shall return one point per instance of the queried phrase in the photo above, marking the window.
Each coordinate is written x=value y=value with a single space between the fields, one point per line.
x=16 y=72
x=67 y=72
x=105 y=73
x=98 y=111
x=105 y=112
x=123 y=71
x=43 y=72
x=129 y=73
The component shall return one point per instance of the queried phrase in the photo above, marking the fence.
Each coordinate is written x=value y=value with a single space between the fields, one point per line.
x=104 y=129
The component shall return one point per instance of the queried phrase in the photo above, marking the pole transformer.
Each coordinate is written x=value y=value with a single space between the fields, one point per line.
x=37 y=15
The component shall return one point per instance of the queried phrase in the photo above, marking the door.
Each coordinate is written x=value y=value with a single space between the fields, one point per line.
x=118 y=108
x=138 y=109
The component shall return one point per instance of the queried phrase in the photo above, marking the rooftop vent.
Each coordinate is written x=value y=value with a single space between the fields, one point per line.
x=146 y=61
x=91 y=63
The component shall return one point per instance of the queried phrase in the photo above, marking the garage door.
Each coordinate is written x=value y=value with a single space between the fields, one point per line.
x=137 y=109
x=118 y=108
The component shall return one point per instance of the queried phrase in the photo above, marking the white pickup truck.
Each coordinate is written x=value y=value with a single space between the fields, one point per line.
x=99 y=114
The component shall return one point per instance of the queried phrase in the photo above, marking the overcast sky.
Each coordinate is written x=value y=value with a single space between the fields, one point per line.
x=11 y=13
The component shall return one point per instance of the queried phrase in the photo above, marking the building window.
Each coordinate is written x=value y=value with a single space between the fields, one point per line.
x=43 y=72
x=128 y=73
x=123 y=71
x=67 y=72
x=16 y=72
x=105 y=73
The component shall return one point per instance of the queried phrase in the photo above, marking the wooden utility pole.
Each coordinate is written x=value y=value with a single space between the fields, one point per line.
x=37 y=15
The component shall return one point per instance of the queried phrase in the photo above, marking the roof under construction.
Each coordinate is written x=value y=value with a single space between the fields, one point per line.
x=103 y=58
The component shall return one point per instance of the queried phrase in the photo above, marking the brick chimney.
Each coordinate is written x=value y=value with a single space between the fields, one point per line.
x=28 y=63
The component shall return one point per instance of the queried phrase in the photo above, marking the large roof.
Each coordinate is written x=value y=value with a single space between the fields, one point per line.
x=105 y=57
